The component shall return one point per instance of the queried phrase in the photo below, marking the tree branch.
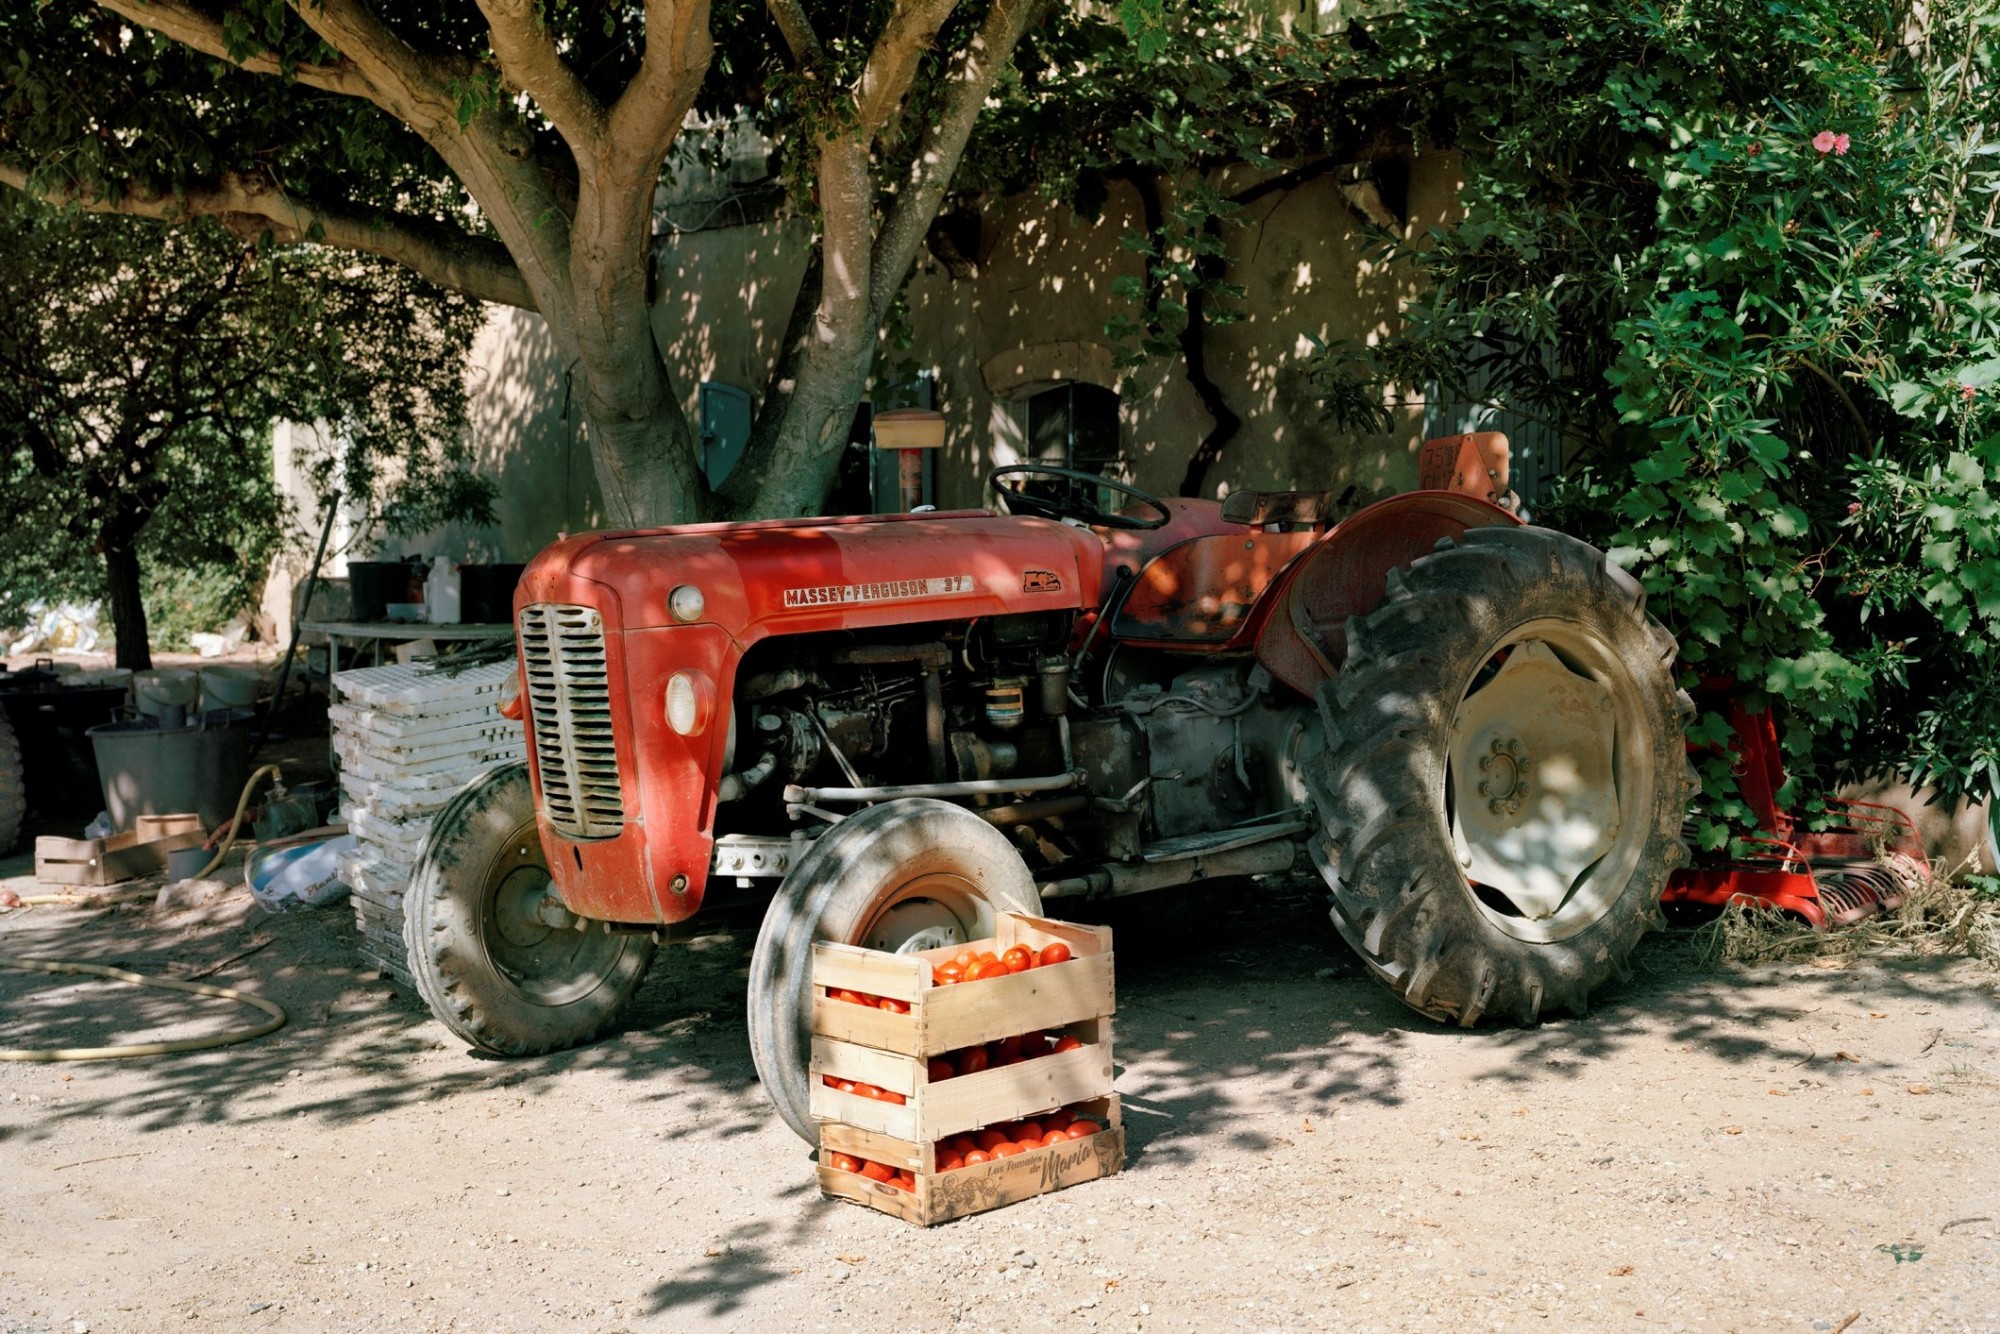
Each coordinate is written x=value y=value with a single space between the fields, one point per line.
x=190 y=27
x=448 y=257
x=530 y=63
x=892 y=64
x=679 y=48
x=403 y=81
x=797 y=29
x=970 y=80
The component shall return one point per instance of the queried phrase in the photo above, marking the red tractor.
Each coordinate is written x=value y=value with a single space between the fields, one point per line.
x=909 y=723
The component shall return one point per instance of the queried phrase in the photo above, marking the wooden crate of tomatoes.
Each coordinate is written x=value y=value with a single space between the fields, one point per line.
x=960 y=1079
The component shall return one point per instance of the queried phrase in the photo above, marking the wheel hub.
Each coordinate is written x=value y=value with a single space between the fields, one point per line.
x=1532 y=768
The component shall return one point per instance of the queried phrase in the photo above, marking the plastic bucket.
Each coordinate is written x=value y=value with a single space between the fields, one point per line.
x=230 y=687
x=373 y=584
x=169 y=686
x=150 y=770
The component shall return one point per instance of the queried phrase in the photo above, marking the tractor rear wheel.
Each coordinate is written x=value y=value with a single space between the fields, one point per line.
x=481 y=944
x=13 y=787
x=903 y=876
x=1505 y=776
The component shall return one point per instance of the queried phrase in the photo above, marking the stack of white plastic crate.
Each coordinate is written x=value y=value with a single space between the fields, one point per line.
x=408 y=738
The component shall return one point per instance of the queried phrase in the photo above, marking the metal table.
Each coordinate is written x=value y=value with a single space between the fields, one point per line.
x=394 y=632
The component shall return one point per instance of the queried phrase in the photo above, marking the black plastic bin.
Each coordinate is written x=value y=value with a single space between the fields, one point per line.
x=486 y=593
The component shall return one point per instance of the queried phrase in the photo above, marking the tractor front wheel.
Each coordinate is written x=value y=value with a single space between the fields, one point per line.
x=903 y=876
x=1505 y=776
x=495 y=957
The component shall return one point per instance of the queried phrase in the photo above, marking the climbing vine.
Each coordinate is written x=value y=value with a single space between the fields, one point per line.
x=1741 y=254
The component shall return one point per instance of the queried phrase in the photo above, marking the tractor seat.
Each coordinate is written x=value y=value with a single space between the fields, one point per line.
x=1282 y=509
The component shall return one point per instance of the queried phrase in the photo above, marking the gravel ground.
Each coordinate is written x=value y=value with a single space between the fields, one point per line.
x=1765 y=1149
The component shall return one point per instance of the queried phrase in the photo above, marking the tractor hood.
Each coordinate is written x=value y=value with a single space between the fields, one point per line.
x=793 y=576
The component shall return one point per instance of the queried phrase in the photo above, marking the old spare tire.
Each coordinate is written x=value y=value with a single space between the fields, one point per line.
x=905 y=875
x=1505 y=776
x=13 y=787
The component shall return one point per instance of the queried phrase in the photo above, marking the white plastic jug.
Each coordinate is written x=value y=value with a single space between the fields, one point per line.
x=442 y=594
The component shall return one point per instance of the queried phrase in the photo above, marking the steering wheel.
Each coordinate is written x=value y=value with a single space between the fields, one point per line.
x=1066 y=504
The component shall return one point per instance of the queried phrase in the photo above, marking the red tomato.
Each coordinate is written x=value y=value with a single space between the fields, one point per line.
x=972 y=1060
x=950 y=1162
x=851 y=997
x=848 y=1086
x=904 y=1181
x=965 y=958
x=1028 y=1132
x=894 y=1006
x=829 y=1081
x=866 y=1091
x=949 y=972
x=1007 y=1150
x=1068 y=1042
x=1059 y=1118
x=1055 y=1137
x=1083 y=1129
x=1018 y=959
x=1056 y=953
x=990 y=1137
x=976 y=1157
x=988 y=956
x=961 y=1144
x=1007 y=1049
x=884 y=1095
x=938 y=1068
x=875 y=1171
x=843 y=1162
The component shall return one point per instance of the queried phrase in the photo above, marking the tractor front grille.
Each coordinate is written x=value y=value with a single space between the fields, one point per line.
x=569 y=708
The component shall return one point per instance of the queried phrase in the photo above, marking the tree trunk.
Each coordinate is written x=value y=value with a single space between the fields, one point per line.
x=121 y=577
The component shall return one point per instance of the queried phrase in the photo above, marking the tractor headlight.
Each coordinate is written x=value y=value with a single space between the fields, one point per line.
x=686 y=603
x=690 y=702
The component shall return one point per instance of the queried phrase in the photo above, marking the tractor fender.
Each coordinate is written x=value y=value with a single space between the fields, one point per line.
x=1302 y=617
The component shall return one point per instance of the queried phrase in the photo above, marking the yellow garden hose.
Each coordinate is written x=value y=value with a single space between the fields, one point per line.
x=229 y=1039
x=271 y=1025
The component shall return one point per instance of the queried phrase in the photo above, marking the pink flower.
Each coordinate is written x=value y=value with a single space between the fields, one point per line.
x=1840 y=145
x=1755 y=149
x=1854 y=507
x=1824 y=141
x=1967 y=392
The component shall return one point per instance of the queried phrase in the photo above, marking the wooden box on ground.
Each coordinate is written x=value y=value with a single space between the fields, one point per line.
x=106 y=861
x=943 y=1196
x=891 y=1051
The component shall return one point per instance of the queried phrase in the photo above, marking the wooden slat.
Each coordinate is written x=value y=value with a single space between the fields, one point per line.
x=972 y=1012
x=865 y=1065
x=942 y=1196
x=965 y=1103
x=835 y=1137
x=873 y=973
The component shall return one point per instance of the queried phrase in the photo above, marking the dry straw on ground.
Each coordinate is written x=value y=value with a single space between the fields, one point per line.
x=1938 y=918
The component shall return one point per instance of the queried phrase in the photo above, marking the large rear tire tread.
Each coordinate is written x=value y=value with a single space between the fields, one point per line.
x=442 y=932
x=1399 y=896
x=13 y=788
x=832 y=894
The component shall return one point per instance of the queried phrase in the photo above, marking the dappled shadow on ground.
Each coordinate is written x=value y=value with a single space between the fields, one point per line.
x=1242 y=1020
